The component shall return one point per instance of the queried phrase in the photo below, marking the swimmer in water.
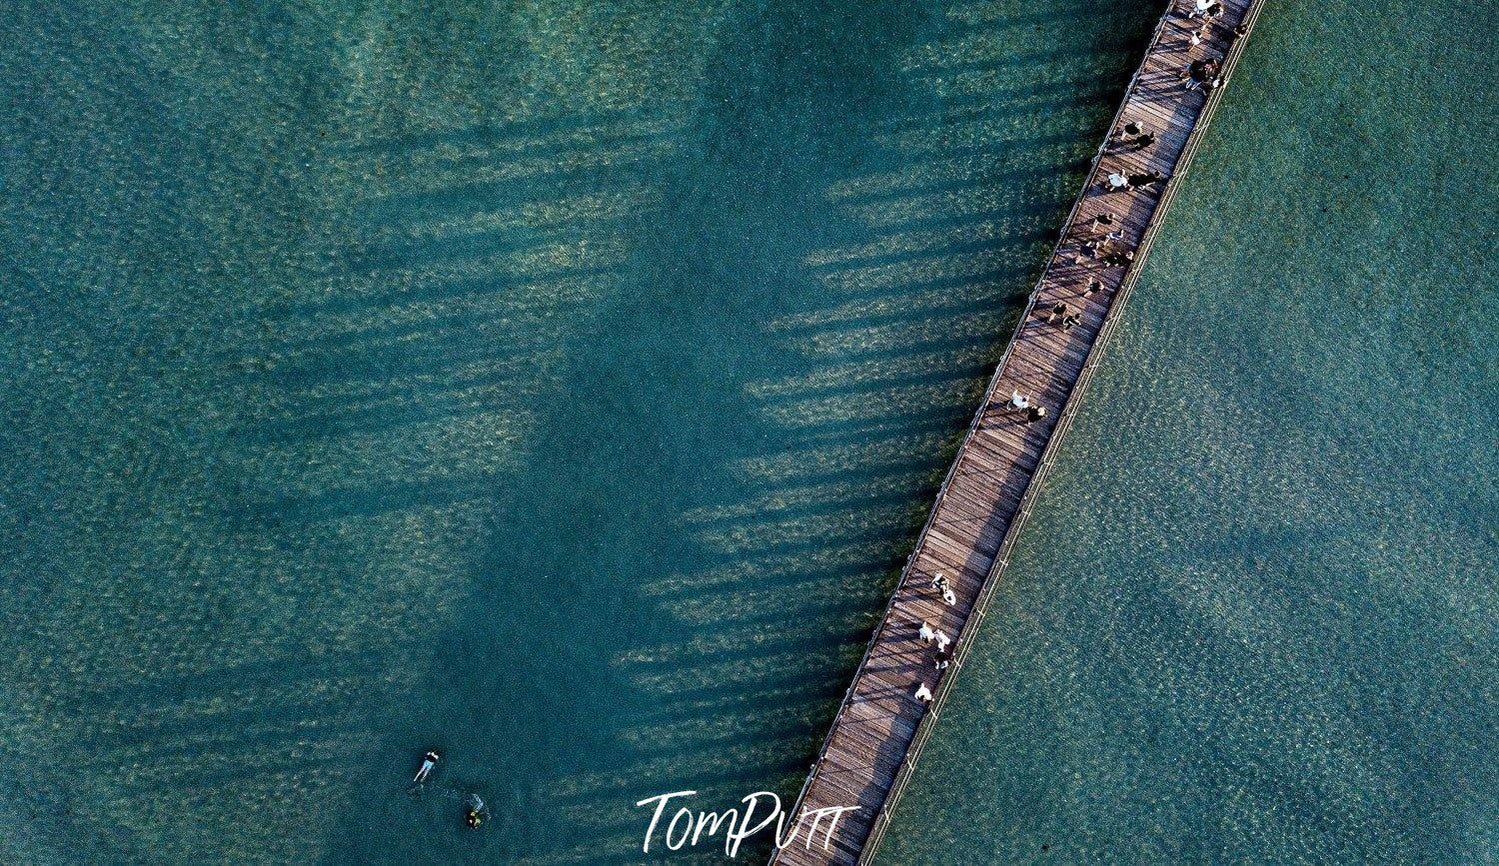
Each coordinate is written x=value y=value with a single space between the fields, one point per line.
x=429 y=761
x=473 y=815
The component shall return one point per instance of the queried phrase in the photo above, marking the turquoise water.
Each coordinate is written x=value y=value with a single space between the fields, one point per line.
x=557 y=386
x=1253 y=616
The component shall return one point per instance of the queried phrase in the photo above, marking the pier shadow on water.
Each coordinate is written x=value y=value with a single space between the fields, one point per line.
x=581 y=440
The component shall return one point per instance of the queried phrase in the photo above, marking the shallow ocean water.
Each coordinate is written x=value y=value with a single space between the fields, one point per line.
x=554 y=385
x=1252 y=618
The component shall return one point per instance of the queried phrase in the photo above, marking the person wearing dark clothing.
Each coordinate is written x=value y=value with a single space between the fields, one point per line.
x=1140 y=181
x=1200 y=72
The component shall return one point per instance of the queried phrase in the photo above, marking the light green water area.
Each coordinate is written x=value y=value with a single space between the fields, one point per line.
x=1253 y=616
x=558 y=384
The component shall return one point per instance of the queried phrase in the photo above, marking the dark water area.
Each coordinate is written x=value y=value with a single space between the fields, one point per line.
x=1252 y=618
x=559 y=386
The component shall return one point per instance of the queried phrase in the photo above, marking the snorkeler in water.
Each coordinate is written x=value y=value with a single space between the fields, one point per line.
x=473 y=813
x=429 y=761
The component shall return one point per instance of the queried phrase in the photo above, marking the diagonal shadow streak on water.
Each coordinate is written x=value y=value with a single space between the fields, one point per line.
x=770 y=307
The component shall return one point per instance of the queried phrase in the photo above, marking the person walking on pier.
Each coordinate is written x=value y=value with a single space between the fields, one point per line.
x=1200 y=72
x=1035 y=413
x=1143 y=140
x=1019 y=400
x=939 y=583
x=1205 y=9
x=1062 y=314
x=1144 y=179
x=923 y=694
x=926 y=632
x=1135 y=137
x=942 y=659
x=1118 y=258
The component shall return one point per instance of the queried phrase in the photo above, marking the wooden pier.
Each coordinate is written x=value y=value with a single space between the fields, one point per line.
x=881 y=727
